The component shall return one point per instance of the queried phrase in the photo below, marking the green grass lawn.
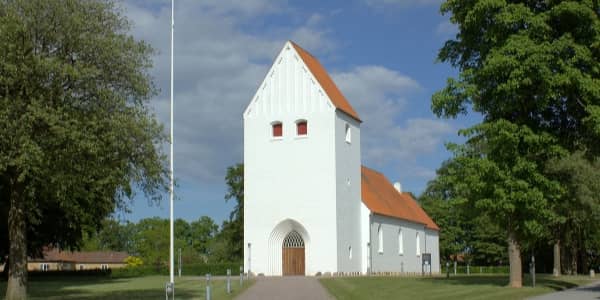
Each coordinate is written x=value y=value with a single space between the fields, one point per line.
x=486 y=287
x=150 y=287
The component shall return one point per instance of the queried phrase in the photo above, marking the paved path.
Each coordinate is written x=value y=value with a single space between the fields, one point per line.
x=588 y=292
x=285 y=288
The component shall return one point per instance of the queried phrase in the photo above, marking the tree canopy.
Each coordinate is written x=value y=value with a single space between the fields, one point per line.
x=532 y=69
x=77 y=137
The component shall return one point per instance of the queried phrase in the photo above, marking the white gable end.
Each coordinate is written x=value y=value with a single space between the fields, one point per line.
x=289 y=87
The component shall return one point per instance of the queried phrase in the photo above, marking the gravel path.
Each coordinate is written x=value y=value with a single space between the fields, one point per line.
x=285 y=288
x=588 y=292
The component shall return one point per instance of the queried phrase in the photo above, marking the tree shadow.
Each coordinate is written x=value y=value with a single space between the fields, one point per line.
x=68 y=288
x=502 y=280
x=153 y=293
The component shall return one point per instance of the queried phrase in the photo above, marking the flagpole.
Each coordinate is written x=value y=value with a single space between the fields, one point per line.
x=171 y=254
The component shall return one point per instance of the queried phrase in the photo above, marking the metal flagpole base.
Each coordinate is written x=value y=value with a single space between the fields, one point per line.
x=170 y=291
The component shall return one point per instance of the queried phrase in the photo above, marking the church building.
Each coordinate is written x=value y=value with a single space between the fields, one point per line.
x=310 y=207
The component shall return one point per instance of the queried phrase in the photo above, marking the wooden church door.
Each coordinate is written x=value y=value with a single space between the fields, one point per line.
x=293 y=254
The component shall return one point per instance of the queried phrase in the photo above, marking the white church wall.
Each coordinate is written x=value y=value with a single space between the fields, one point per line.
x=365 y=237
x=433 y=247
x=391 y=259
x=291 y=177
x=348 y=192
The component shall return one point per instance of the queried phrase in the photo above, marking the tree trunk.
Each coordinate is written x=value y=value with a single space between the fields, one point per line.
x=585 y=264
x=514 y=260
x=556 y=270
x=574 y=259
x=16 y=288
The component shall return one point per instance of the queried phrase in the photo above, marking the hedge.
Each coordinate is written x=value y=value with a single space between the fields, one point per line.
x=186 y=270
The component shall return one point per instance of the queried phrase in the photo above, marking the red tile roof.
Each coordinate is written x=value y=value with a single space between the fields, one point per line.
x=380 y=196
x=326 y=82
x=55 y=255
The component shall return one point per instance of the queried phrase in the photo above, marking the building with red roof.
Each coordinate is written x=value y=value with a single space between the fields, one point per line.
x=310 y=206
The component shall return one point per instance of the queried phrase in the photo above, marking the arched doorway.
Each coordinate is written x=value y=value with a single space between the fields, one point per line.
x=293 y=254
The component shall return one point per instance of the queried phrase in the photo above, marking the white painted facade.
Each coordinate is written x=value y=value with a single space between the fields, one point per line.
x=310 y=184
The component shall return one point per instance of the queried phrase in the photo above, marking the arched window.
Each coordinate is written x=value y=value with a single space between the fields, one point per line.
x=348 y=134
x=400 y=242
x=380 y=238
x=418 y=250
x=277 y=129
x=301 y=127
x=350 y=252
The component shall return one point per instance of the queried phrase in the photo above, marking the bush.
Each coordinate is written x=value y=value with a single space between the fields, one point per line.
x=216 y=269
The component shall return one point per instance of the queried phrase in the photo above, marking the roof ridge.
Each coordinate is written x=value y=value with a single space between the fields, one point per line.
x=329 y=86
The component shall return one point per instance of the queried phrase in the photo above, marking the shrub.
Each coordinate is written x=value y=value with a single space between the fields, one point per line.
x=216 y=269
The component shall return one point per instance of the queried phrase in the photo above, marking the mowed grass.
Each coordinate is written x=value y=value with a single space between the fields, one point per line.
x=149 y=287
x=488 y=287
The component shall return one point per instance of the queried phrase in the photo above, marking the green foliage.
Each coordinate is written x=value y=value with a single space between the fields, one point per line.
x=203 y=231
x=228 y=245
x=500 y=172
x=148 y=241
x=133 y=261
x=235 y=190
x=77 y=135
x=579 y=207
x=462 y=231
x=534 y=63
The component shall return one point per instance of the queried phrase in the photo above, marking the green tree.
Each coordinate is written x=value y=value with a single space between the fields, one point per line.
x=152 y=241
x=499 y=174
x=77 y=137
x=532 y=63
x=235 y=190
x=231 y=236
x=440 y=202
x=580 y=209
x=463 y=231
x=203 y=231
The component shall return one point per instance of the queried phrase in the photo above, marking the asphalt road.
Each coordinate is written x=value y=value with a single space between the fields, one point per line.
x=588 y=292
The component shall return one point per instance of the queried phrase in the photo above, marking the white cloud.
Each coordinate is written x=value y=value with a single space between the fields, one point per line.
x=380 y=95
x=218 y=65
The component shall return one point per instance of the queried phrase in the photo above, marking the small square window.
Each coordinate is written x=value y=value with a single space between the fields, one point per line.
x=277 y=129
x=302 y=128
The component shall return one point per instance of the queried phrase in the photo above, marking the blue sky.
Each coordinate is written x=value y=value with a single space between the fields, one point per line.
x=381 y=53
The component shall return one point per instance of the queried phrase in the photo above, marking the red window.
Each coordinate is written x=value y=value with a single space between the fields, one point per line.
x=277 y=129
x=301 y=128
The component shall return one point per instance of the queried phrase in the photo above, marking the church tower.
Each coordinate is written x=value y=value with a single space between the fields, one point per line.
x=302 y=172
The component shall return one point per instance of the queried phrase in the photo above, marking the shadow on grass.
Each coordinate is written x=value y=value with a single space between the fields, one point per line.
x=87 y=295
x=68 y=288
x=502 y=280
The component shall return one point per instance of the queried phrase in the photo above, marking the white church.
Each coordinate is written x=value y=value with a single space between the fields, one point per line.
x=310 y=206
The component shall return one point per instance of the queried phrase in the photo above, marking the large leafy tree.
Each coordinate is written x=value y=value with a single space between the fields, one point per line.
x=463 y=231
x=532 y=63
x=76 y=134
x=500 y=173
